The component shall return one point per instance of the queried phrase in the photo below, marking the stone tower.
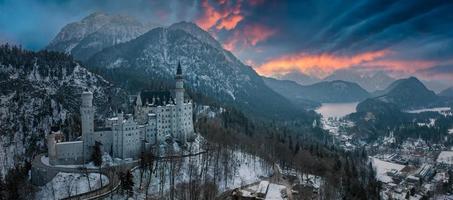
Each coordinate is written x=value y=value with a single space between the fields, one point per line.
x=87 y=118
x=179 y=101
x=51 y=150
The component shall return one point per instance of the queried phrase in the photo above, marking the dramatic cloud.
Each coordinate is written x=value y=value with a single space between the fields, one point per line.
x=249 y=36
x=317 y=65
x=227 y=16
x=315 y=36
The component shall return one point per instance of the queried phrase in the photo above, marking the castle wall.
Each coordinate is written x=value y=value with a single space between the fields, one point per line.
x=105 y=138
x=69 y=153
x=126 y=140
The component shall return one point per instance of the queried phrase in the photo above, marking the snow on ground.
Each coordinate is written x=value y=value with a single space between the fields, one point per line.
x=243 y=169
x=445 y=157
x=439 y=110
x=450 y=131
x=275 y=192
x=382 y=167
x=431 y=123
x=64 y=184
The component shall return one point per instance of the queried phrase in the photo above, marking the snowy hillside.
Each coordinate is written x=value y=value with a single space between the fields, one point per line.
x=38 y=91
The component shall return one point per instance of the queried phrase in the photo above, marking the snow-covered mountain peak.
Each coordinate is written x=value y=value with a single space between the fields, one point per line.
x=95 y=32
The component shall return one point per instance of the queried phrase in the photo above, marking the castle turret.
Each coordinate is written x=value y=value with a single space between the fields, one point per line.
x=179 y=91
x=87 y=117
x=51 y=151
x=139 y=100
x=179 y=101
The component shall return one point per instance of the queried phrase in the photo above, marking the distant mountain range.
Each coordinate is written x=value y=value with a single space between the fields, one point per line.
x=298 y=77
x=370 y=81
x=141 y=62
x=323 y=92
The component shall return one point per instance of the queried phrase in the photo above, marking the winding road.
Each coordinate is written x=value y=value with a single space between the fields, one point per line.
x=111 y=172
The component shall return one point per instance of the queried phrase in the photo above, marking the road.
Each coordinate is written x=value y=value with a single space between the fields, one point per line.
x=111 y=172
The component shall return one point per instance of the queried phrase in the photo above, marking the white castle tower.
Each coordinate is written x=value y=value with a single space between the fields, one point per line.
x=179 y=101
x=87 y=117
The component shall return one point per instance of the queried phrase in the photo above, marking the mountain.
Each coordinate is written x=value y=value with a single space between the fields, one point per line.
x=95 y=32
x=292 y=91
x=447 y=92
x=370 y=82
x=335 y=91
x=298 y=77
x=323 y=92
x=40 y=90
x=436 y=86
x=407 y=94
x=208 y=69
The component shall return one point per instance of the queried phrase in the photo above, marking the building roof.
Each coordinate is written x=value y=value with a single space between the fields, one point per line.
x=179 y=69
x=159 y=97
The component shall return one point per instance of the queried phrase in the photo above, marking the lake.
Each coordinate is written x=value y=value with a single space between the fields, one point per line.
x=336 y=110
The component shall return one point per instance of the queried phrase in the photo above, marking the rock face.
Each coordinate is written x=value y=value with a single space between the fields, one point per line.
x=94 y=33
x=208 y=69
x=323 y=92
x=40 y=90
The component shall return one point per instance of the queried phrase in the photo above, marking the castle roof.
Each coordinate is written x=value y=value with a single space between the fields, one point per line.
x=179 y=69
x=159 y=97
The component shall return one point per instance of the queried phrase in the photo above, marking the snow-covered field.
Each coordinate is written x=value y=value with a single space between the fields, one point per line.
x=445 y=157
x=382 y=167
x=69 y=184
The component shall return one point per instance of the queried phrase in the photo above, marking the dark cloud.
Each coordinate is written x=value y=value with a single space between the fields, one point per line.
x=259 y=31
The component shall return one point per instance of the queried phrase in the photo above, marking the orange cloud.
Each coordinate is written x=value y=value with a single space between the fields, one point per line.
x=229 y=22
x=210 y=16
x=224 y=17
x=250 y=35
x=318 y=65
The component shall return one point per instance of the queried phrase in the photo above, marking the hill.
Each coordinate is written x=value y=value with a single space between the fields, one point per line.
x=408 y=93
x=323 y=92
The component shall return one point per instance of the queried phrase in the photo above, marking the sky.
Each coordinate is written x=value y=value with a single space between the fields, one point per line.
x=315 y=37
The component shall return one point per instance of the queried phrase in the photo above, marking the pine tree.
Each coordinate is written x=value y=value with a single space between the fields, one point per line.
x=97 y=155
x=2 y=188
x=127 y=182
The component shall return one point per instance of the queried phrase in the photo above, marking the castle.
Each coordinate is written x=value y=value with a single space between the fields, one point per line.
x=161 y=118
